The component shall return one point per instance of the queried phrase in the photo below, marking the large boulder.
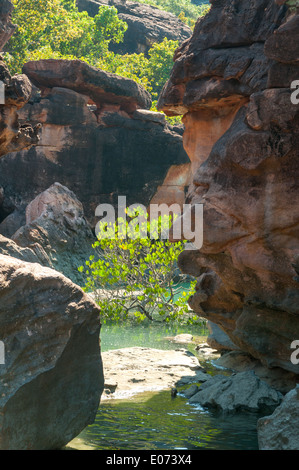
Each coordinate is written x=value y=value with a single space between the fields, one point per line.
x=55 y=223
x=100 y=86
x=52 y=379
x=279 y=431
x=240 y=392
x=146 y=24
x=34 y=254
x=242 y=137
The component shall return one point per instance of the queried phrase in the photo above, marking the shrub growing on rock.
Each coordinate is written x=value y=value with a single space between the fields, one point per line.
x=134 y=274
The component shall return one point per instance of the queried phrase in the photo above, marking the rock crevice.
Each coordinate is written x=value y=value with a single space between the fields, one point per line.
x=242 y=137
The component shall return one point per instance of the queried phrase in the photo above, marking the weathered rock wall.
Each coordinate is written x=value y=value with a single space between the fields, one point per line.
x=51 y=374
x=98 y=139
x=231 y=82
x=6 y=27
x=17 y=91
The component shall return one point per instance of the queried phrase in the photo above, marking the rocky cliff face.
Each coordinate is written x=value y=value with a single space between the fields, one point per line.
x=16 y=91
x=6 y=27
x=146 y=24
x=98 y=139
x=51 y=375
x=231 y=82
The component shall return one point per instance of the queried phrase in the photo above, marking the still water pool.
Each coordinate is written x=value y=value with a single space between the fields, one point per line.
x=157 y=421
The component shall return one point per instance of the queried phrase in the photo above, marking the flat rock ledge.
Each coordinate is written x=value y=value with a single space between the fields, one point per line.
x=239 y=392
x=130 y=371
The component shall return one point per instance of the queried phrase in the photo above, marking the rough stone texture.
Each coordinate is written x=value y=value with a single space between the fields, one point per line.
x=242 y=139
x=223 y=63
x=98 y=151
x=280 y=430
x=34 y=254
x=240 y=392
x=52 y=379
x=17 y=93
x=101 y=87
x=6 y=27
x=55 y=222
x=218 y=339
x=240 y=361
x=146 y=24
x=129 y=371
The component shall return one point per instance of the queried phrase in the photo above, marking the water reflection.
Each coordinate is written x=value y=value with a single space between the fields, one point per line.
x=152 y=421
x=157 y=421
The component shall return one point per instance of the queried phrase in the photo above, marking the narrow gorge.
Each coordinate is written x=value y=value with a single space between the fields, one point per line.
x=73 y=136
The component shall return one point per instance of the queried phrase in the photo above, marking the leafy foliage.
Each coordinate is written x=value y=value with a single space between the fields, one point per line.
x=56 y=29
x=134 y=273
x=152 y=72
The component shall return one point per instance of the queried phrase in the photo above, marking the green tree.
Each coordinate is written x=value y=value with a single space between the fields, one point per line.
x=159 y=65
x=133 y=273
x=56 y=29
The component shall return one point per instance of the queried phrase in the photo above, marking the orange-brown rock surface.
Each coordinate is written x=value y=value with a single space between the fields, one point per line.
x=17 y=92
x=229 y=82
x=98 y=138
x=51 y=374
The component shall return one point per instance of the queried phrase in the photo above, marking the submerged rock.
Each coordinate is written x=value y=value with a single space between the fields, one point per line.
x=52 y=379
x=240 y=392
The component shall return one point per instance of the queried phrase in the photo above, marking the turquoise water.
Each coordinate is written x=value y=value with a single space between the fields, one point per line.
x=149 y=335
x=157 y=421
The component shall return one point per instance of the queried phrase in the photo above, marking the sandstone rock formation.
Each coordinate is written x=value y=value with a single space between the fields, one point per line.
x=96 y=139
x=52 y=378
x=34 y=254
x=242 y=137
x=17 y=91
x=136 y=369
x=6 y=27
x=146 y=24
x=278 y=431
x=56 y=224
x=103 y=88
x=240 y=392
